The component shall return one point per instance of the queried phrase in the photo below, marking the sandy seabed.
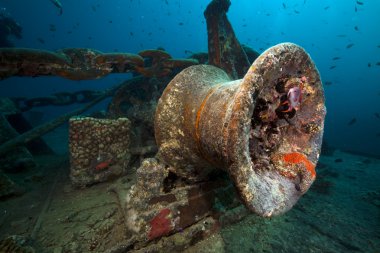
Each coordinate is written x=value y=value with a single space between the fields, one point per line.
x=340 y=213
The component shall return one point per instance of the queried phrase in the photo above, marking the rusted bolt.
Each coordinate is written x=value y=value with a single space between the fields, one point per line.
x=265 y=130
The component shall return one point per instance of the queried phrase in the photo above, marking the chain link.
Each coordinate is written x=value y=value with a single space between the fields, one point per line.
x=85 y=64
x=57 y=99
x=82 y=64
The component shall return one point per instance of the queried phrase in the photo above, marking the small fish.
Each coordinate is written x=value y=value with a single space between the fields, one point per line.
x=326 y=8
x=180 y=23
x=296 y=12
x=58 y=4
x=42 y=41
x=52 y=28
x=327 y=83
x=338 y=160
x=378 y=46
x=336 y=58
x=284 y=5
x=377 y=115
x=356 y=28
x=369 y=65
x=103 y=165
x=188 y=52
x=350 y=45
x=356 y=9
x=378 y=63
x=294 y=98
x=351 y=122
x=341 y=35
x=359 y=3
x=333 y=67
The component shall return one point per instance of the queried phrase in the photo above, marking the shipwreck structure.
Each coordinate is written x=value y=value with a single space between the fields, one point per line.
x=206 y=120
x=236 y=133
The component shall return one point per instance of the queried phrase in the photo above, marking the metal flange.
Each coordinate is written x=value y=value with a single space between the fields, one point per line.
x=265 y=130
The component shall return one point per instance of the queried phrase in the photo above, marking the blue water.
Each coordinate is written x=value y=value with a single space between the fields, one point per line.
x=340 y=213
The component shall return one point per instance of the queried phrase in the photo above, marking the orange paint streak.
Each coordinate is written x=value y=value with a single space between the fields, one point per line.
x=199 y=112
x=296 y=158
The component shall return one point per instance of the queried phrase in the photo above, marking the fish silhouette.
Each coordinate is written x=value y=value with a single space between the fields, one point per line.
x=351 y=122
x=58 y=4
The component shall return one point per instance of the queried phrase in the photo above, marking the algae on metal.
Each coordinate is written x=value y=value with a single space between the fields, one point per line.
x=204 y=121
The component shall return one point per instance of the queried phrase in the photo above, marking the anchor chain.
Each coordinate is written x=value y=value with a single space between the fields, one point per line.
x=57 y=99
x=86 y=64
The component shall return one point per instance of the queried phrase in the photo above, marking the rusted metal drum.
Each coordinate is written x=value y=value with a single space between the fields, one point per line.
x=265 y=130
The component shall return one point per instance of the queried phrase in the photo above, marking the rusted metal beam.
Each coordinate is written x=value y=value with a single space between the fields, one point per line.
x=85 y=63
x=224 y=49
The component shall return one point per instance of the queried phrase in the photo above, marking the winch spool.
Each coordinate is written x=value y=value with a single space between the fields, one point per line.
x=259 y=129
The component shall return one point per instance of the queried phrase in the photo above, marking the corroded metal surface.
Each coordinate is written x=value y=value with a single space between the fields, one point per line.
x=85 y=63
x=137 y=100
x=267 y=138
x=49 y=126
x=56 y=99
x=176 y=116
x=159 y=205
x=98 y=149
x=224 y=49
